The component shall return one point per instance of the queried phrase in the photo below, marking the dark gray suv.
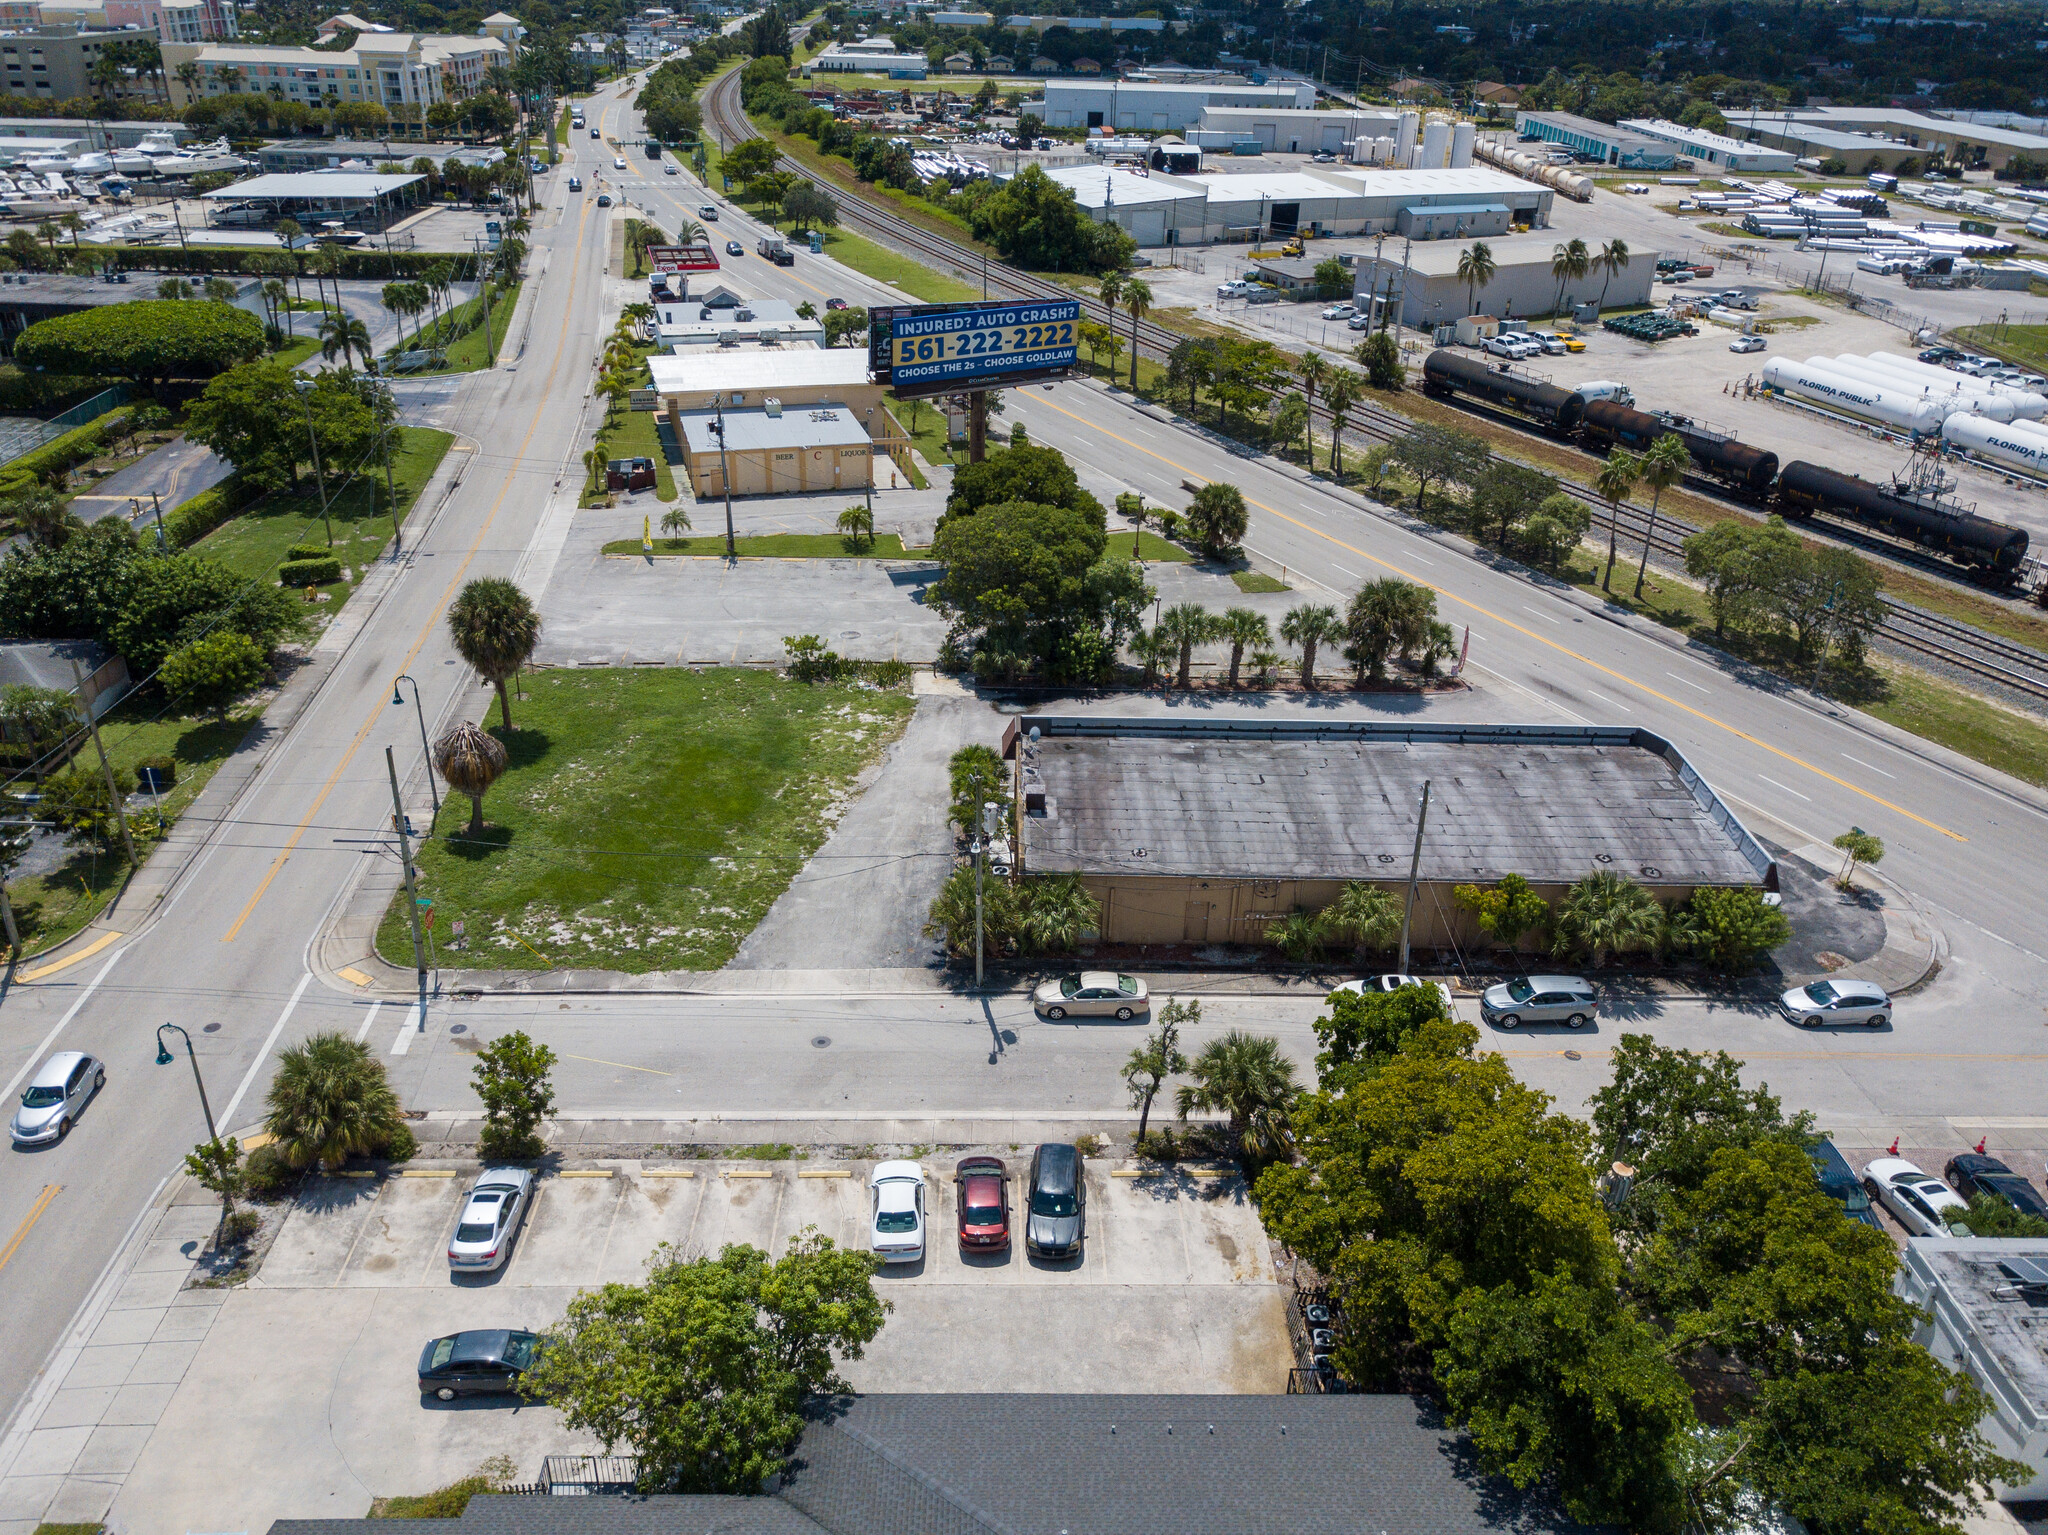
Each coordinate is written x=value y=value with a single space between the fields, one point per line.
x=1056 y=1206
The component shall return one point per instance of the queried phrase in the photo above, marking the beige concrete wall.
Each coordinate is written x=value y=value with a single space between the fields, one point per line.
x=783 y=472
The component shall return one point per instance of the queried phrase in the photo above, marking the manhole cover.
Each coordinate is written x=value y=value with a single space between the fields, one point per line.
x=211 y=1028
x=1828 y=959
x=849 y=634
x=821 y=1041
x=458 y=1028
x=1573 y=1055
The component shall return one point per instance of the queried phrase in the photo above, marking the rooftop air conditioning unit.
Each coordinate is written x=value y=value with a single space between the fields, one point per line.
x=728 y=338
x=773 y=406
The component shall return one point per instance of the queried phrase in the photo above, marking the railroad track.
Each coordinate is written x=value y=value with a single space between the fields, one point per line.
x=1967 y=649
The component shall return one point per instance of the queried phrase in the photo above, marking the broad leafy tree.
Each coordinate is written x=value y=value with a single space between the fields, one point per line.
x=1017 y=576
x=1023 y=473
x=213 y=674
x=151 y=341
x=1438 y=455
x=512 y=1080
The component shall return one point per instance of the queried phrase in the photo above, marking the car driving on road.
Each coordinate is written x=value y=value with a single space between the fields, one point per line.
x=708 y=213
x=734 y=248
x=1524 y=999
x=983 y=1184
x=464 y=1363
x=1056 y=1208
x=1102 y=993
x=1842 y=1001
x=497 y=1202
x=896 y=1202
x=55 y=1096
x=1923 y=1205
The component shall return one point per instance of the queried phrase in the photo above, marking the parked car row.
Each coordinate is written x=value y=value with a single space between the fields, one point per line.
x=1925 y=1205
x=1997 y=370
x=1055 y=1206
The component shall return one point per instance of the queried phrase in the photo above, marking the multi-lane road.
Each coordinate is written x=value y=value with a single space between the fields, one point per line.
x=226 y=951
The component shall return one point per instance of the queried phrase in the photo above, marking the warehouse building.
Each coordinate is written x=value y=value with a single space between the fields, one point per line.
x=740 y=380
x=1206 y=831
x=1984 y=1299
x=1716 y=149
x=1162 y=209
x=1155 y=108
x=774 y=451
x=1425 y=289
x=1298 y=131
x=1603 y=142
x=1861 y=152
x=1972 y=143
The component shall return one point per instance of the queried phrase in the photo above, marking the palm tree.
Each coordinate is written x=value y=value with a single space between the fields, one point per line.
x=1138 y=303
x=1475 y=270
x=1242 y=627
x=328 y=1101
x=1057 y=911
x=675 y=520
x=1612 y=258
x=1140 y=514
x=1307 y=629
x=1155 y=648
x=324 y=263
x=470 y=760
x=1616 y=481
x=1663 y=466
x=188 y=76
x=1606 y=913
x=857 y=522
x=593 y=462
x=1111 y=291
x=1339 y=396
x=71 y=223
x=1187 y=624
x=1247 y=1078
x=1314 y=371
x=340 y=333
x=278 y=297
x=1568 y=263
x=495 y=630
x=1367 y=914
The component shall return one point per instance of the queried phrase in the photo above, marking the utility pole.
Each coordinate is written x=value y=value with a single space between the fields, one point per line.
x=725 y=476
x=412 y=890
x=113 y=794
x=977 y=426
x=1414 y=871
x=163 y=542
x=490 y=347
x=989 y=811
x=305 y=388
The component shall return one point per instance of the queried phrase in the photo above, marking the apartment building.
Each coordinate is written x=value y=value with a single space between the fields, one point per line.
x=393 y=69
x=173 y=21
x=56 y=63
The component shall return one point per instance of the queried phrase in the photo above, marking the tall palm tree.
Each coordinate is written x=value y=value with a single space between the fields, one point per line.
x=1663 y=466
x=279 y=297
x=1246 y=1077
x=1475 y=270
x=1155 y=649
x=1243 y=627
x=1187 y=624
x=1308 y=628
x=470 y=760
x=1616 y=481
x=328 y=1101
x=324 y=263
x=495 y=629
x=341 y=333
x=188 y=76
x=1613 y=258
x=1314 y=371
x=1138 y=304
x=1339 y=395
x=1111 y=292
x=1568 y=263
x=1607 y=913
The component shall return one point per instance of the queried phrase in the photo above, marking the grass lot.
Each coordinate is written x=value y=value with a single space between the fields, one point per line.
x=50 y=907
x=776 y=546
x=1256 y=581
x=885 y=265
x=635 y=435
x=466 y=354
x=1151 y=546
x=293 y=353
x=2024 y=346
x=648 y=819
x=254 y=543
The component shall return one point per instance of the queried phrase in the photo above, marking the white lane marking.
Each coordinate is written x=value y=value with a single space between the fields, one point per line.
x=1881 y=773
x=1418 y=559
x=1786 y=787
x=50 y=1038
x=369 y=1019
x=1540 y=614
x=1351 y=573
x=405 y=1031
x=1693 y=685
x=227 y=1116
x=1624 y=708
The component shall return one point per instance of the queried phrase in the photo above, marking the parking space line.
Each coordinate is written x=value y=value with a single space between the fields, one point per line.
x=430 y=1172
x=622 y=1065
x=666 y=1172
x=1776 y=785
x=585 y=1172
x=823 y=1172
x=737 y=1172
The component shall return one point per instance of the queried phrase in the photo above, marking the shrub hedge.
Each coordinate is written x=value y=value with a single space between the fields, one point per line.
x=205 y=512
x=226 y=261
x=319 y=572
x=309 y=552
x=59 y=454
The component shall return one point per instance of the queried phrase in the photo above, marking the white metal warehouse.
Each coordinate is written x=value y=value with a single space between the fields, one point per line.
x=1427 y=292
x=1152 y=108
x=1298 y=131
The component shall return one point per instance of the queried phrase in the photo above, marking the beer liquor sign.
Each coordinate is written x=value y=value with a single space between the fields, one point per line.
x=949 y=348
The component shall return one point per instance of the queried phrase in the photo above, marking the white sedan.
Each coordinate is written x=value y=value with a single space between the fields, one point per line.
x=1383 y=983
x=618 y=162
x=1843 y=1001
x=497 y=1202
x=1340 y=311
x=896 y=1195
x=1747 y=344
x=1921 y=1203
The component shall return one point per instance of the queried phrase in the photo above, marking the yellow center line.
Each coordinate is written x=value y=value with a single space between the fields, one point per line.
x=620 y=1064
x=299 y=831
x=1606 y=671
x=35 y=1214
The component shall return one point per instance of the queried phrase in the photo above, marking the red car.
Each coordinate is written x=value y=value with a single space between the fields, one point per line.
x=983 y=1184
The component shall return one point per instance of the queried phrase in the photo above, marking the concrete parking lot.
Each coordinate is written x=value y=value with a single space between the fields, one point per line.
x=306 y=1377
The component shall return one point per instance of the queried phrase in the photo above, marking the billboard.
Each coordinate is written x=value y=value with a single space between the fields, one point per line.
x=949 y=348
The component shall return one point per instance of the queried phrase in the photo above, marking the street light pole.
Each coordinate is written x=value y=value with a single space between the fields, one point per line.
x=1414 y=871
x=426 y=751
x=164 y=1058
x=412 y=900
x=305 y=388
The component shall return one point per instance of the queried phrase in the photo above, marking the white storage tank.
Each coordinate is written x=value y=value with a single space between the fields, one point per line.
x=1405 y=130
x=1948 y=402
x=2021 y=445
x=2026 y=405
x=1462 y=139
x=1436 y=145
x=1833 y=390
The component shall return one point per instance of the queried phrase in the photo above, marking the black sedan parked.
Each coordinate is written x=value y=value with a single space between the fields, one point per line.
x=1972 y=1174
x=467 y=1362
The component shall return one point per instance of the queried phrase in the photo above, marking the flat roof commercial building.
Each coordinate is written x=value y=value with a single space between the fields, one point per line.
x=360 y=200
x=1426 y=290
x=1609 y=145
x=686 y=325
x=1987 y=1305
x=1702 y=147
x=1204 y=831
x=326 y=154
x=740 y=378
x=1973 y=143
x=1156 y=108
x=775 y=450
x=1299 y=130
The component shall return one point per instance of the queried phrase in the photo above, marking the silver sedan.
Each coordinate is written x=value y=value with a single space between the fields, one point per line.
x=56 y=1095
x=1096 y=992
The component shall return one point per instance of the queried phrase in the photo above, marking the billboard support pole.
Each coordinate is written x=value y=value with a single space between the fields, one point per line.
x=977 y=426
